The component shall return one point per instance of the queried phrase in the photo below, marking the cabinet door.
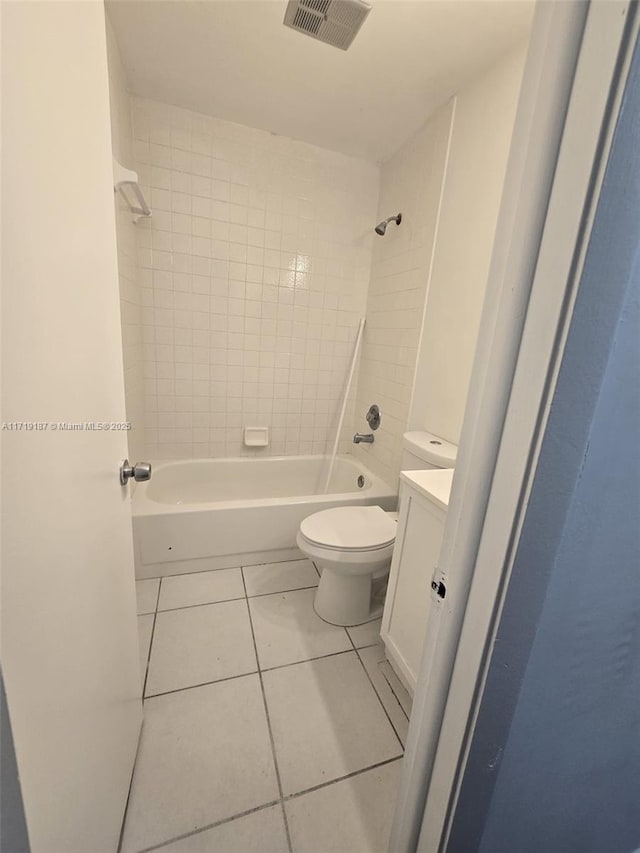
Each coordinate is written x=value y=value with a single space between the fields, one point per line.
x=410 y=586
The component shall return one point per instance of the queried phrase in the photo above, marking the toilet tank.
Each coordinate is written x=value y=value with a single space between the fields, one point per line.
x=422 y=450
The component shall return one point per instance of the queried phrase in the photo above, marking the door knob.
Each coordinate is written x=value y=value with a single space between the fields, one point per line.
x=140 y=472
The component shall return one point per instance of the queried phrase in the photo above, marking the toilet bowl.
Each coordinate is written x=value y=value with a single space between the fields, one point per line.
x=350 y=545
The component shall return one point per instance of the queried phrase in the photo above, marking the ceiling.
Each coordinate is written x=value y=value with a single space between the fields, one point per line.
x=235 y=59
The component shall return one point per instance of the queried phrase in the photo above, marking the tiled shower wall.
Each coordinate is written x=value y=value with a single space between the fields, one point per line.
x=254 y=271
x=411 y=183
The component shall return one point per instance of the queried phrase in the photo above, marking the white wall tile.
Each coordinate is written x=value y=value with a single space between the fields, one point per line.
x=254 y=241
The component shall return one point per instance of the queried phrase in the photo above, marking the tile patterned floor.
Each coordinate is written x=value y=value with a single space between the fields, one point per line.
x=266 y=729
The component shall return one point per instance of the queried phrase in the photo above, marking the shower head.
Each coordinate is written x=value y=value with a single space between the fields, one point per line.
x=382 y=226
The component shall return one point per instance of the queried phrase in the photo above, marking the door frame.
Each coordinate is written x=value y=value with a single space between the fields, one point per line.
x=572 y=86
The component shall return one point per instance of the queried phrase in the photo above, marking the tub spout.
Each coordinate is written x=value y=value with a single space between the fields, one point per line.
x=367 y=438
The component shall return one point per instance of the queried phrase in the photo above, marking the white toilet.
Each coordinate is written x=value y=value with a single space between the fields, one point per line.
x=352 y=545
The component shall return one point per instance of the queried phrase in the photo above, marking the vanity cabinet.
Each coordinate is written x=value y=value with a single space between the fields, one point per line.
x=424 y=497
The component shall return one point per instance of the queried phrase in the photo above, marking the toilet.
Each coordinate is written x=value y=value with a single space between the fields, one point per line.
x=350 y=545
x=353 y=545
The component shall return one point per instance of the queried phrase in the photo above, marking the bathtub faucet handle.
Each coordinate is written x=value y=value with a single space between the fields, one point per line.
x=140 y=472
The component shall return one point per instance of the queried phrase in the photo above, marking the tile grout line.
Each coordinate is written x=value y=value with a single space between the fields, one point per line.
x=200 y=684
x=386 y=713
x=126 y=806
x=282 y=591
x=226 y=569
x=202 y=604
x=235 y=598
x=245 y=674
x=343 y=778
x=144 y=684
x=366 y=646
x=305 y=660
x=270 y=730
x=209 y=826
x=153 y=631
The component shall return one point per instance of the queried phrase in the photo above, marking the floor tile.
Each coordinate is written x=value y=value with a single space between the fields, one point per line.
x=200 y=588
x=354 y=815
x=200 y=644
x=260 y=832
x=204 y=756
x=392 y=695
x=147 y=595
x=145 y=629
x=367 y=634
x=326 y=721
x=287 y=629
x=279 y=577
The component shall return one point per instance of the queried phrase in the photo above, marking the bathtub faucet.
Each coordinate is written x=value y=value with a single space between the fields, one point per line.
x=367 y=438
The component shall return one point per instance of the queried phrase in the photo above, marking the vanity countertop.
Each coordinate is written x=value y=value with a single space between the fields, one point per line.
x=434 y=484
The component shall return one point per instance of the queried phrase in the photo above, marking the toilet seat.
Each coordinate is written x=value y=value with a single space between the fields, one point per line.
x=349 y=529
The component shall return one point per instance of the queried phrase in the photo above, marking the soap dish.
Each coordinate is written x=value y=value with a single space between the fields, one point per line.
x=256 y=436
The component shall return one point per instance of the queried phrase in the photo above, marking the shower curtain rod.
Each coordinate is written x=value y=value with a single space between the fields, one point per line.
x=354 y=358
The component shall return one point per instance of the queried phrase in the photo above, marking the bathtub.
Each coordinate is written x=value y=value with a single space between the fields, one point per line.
x=206 y=514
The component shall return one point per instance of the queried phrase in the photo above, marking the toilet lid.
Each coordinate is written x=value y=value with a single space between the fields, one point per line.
x=361 y=528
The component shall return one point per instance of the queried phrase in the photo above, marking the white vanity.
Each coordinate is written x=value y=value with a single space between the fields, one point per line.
x=424 y=498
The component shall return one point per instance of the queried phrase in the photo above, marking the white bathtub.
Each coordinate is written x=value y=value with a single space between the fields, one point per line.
x=216 y=513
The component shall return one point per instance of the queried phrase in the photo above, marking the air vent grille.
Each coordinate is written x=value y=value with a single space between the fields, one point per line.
x=334 y=22
x=306 y=21
x=319 y=6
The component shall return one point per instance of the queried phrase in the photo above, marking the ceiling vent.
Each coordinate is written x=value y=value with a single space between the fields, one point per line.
x=335 y=22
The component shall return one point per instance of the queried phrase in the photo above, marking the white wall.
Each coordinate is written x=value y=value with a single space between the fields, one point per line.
x=130 y=293
x=254 y=271
x=411 y=183
x=482 y=128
